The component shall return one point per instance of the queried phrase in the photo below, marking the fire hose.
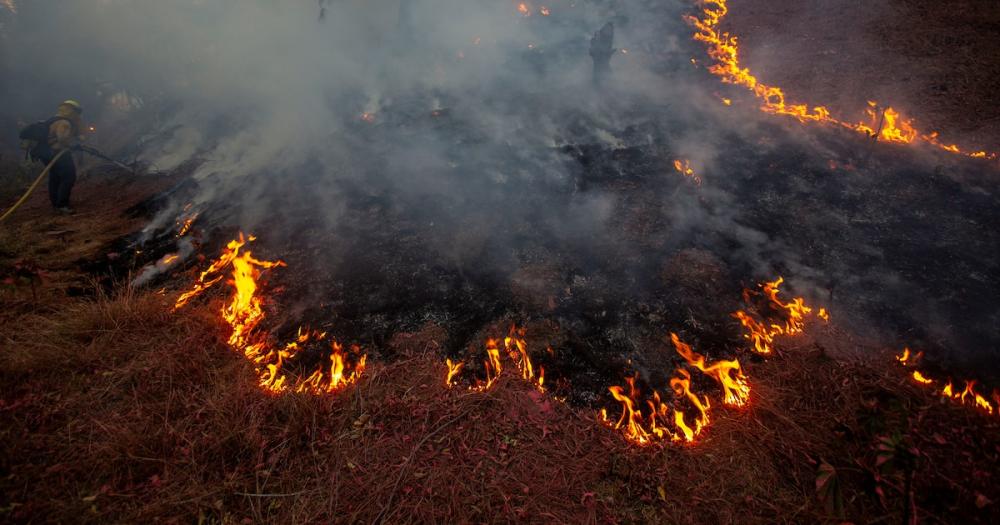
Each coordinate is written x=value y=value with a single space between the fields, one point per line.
x=48 y=168
x=33 y=185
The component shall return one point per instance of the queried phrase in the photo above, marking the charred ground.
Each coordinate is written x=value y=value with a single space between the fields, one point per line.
x=108 y=423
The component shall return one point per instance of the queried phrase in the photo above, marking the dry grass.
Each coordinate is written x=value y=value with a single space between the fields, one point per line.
x=119 y=410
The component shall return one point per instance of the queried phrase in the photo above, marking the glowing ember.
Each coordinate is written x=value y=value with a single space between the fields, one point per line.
x=887 y=125
x=918 y=377
x=684 y=168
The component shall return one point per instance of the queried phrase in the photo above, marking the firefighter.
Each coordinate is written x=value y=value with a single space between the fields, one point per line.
x=64 y=133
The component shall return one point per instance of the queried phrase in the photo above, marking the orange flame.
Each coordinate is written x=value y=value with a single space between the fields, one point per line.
x=918 y=377
x=631 y=418
x=969 y=396
x=516 y=349
x=726 y=373
x=453 y=370
x=723 y=49
x=682 y=387
x=684 y=168
x=795 y=312
x=244 y=313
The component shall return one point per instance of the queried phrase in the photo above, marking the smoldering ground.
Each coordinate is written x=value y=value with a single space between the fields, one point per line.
x=453 y=163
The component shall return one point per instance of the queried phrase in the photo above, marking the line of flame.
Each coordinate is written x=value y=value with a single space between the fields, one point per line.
x=968 y=396
x=723 y=48
x=244 y=313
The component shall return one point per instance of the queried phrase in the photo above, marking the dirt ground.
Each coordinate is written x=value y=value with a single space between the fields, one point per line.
x=935 y=61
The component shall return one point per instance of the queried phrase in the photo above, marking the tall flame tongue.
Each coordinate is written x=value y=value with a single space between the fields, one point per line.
x=682 y=388
x=886 y=125
x=727 y=373
x=244 y=313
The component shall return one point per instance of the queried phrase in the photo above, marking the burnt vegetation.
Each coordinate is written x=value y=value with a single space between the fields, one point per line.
x=584 y=253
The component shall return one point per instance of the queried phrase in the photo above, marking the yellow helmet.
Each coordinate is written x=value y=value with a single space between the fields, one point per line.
x=73 y=104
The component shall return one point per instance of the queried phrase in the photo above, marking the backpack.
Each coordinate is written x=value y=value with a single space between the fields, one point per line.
x=35 y=137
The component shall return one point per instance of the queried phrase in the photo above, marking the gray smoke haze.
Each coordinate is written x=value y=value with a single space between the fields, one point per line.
x=462 y=109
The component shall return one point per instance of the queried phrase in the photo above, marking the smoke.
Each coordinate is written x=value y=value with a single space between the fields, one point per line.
x=387 y=139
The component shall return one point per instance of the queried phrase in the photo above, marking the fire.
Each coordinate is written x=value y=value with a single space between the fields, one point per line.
x=727 y=373
x=184 y=225
x=682 y=388
x=211 y=276
x=453 y=370
x=244 y=313
x=760 y=335
x=516 y=349
x=631 y=418
x=644 y=428
x=684 y=168
x=969 y=396
x=795 y=312
x=723 y=48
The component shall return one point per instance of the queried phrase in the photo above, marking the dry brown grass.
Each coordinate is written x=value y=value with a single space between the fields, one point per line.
x=119 y=410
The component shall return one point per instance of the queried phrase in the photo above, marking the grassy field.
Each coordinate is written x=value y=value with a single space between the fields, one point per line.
x=116 y=408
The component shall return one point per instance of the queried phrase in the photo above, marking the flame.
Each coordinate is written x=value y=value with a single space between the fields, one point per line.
x=969 y=396
x=727 y=373
x=244 y=313
x=453 y=370
x=184 y=225
x=211 y=276
x=795 y=312
x=631 y=418
x=682 y=388
x=761 y=336
x=516 y=349
x=723 y=48
x=684 y=168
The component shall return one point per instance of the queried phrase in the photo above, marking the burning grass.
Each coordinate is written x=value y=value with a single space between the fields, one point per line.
x=106 y=423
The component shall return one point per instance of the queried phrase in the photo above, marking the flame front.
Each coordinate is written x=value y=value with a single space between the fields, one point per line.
x=969 y=396
x=886 y=125
x=244 y=313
